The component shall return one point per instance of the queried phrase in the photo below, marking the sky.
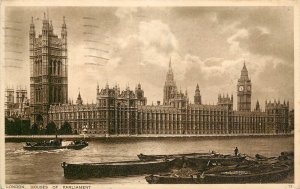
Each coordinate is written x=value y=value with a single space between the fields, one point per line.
x=130 y=45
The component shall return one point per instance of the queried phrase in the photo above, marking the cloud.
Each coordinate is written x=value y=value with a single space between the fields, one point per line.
x=234 y=40
x=266 y=42
x=269 y=31
x=125 y=12
x=153 y=43
x=139 y=54
x=213 y=61
x=207 y=45
x=158 y=34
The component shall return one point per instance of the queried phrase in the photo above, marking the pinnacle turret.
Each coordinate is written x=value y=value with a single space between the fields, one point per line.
x=197 y=88
x=64 y=29
x=244 y=72
x=257 y=107
x=79 y=99
x=64 y=26
x=32 y=23
x=98 y=89
x=32 y=28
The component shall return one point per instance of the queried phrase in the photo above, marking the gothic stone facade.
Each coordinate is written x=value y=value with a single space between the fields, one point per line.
x=127 y=113
x=16 y=103
x=48 y=70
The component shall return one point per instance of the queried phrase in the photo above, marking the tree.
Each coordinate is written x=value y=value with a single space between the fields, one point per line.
x=34 y=129
x=25 y=127
x=51 y=128
x=66 y=129
x=9 y=126
x=18 y=126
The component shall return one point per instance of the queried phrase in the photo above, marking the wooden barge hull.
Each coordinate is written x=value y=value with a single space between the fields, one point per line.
x=111 y=169
x=267 y=177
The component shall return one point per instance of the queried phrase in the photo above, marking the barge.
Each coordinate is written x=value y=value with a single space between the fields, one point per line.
x=111 y=169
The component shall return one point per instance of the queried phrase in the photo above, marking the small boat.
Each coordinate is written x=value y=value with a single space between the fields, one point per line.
x=286 y=156
x=55 y=144
x=110 y=169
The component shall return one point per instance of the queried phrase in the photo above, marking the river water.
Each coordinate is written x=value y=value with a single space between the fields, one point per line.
x=44 y=167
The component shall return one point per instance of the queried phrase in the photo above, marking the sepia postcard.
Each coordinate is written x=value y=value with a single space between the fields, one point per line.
x=128 y=94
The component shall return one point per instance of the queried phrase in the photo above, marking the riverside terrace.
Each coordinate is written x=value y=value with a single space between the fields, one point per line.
x=91 y=137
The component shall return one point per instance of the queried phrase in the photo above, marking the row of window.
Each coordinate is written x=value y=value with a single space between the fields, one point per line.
x=55 y=67
x=38 y=95
x=102 y=115
x=151 y=128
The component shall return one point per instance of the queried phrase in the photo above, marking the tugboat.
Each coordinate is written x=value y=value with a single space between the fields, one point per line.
x=54 y=145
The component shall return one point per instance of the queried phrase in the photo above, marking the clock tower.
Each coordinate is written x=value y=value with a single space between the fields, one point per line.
x=244 y=91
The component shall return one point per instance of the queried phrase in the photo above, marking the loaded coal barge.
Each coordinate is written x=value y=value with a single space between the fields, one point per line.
x=261 y=170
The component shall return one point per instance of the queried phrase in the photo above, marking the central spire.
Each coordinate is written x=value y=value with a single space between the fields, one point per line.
x=170 y=76
x=170 y=71
x=170 y=85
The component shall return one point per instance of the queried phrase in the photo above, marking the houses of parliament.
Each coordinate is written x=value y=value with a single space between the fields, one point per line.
x=126 y=112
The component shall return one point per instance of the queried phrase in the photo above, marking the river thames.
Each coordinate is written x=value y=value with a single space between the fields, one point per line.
x=44 y=167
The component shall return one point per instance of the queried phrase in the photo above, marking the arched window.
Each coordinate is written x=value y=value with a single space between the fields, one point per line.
x=50 y=92
x=41 y=67
x=50 y=67
x=38 y=95
x=36 y=68
x=54 y=67
x=36 y=98
x=58 y=67
x=54 y=95
x=59 y=95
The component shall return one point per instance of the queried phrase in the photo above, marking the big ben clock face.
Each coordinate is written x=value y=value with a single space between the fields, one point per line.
x=241 y=88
